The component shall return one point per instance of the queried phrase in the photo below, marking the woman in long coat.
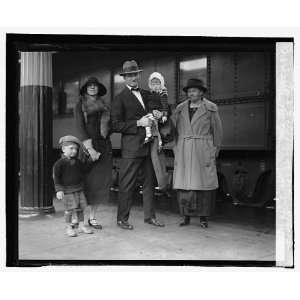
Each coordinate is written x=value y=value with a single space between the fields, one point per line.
x=92 y=118
x=199 y=134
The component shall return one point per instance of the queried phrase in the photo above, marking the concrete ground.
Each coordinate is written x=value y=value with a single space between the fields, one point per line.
x=234 y=234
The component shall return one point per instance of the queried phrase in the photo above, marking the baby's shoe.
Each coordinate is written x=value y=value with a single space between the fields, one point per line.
x=85 y=229
x=148 y=139
x=71 y=232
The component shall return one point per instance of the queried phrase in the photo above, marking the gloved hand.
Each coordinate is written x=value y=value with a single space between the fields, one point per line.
x=145 y=121
x=60 y=195
x=164 y=119
x=94 y=154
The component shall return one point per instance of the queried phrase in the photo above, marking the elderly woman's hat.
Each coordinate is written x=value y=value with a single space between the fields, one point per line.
x=93 y=80
x=195 y=83
x=129 y=67
x=69 y=139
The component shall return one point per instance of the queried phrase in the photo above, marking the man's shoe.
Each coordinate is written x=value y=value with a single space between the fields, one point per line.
x=93 y=223
x=186 y=221
x=154 y=222
x=124 y=225
x=203 y=222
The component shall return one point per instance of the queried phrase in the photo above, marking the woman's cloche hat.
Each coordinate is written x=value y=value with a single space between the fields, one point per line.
x=129 y=67
x=195 y=83
x=93 y=80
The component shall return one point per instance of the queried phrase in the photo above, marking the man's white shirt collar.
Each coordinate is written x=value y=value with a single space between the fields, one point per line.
x=138 y=95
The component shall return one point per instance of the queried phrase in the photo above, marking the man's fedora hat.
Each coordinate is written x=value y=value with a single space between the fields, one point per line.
x=93 y=80
x=195 y=83
x=129 y=67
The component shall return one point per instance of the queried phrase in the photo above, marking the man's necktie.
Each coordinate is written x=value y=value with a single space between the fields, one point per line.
x=135 y=89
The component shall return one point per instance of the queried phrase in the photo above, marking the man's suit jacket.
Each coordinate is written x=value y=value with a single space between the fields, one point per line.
x=126 y=110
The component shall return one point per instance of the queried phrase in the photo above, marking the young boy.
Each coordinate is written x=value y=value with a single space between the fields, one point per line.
x=68 y=174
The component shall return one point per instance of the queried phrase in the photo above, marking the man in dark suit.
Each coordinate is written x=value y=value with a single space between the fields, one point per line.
x=129 y=110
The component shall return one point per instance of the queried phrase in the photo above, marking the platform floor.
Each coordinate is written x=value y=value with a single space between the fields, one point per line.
x=235 y=234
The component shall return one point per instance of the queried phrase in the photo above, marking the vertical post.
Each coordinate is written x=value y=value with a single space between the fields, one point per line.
x=284 y=154
x=35 y=140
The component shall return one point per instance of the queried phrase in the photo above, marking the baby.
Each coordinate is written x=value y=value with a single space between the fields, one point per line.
x=68 y=175
x=158 y=102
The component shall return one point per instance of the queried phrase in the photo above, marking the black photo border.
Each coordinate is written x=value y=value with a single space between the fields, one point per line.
x=66 y=42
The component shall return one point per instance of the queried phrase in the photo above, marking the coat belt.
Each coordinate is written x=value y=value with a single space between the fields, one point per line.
x=201 y=137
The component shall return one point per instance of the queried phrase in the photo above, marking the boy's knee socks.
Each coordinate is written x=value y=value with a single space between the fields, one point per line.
x=79 y=212
x=68 y=216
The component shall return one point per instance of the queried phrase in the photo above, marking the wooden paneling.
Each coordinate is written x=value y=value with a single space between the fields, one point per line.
x=166 y=66
x=148 y=67
x=250 y=124
x=222 y=75
x=244 y=125
x=241 y=74
x=227 y=117
x=250 y=74
x=63 y=126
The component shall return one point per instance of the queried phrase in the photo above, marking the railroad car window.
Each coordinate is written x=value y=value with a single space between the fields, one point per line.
x=118 y=83
x=191 y=67
x=65 y=96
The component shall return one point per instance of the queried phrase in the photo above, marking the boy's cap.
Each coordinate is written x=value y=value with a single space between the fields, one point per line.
x=68 y=139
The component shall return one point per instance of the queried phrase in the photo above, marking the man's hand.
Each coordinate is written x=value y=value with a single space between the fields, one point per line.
x=94 y=154
x=144 y=122
x=164 y=119
x=60 y=195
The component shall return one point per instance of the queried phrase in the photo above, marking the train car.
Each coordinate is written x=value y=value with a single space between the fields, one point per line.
x=240 y=81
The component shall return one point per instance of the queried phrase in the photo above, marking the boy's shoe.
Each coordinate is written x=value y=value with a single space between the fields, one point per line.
x=85 y=229
x=71 y=232
x=74 y=225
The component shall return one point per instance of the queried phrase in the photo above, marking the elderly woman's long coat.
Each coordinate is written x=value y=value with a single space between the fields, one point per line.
x=196 y=145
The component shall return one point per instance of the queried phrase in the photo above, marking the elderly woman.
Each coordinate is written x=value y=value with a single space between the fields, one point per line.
x=199 y=133
x=92 y=117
